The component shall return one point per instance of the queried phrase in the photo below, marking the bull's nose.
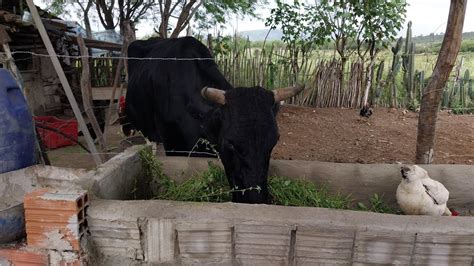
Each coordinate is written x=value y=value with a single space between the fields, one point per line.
x=405 y=169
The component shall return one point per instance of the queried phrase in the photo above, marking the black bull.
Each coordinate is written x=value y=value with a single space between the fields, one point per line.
x=173 y=100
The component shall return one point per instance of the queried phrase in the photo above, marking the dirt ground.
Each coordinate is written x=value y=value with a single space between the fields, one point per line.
x=338 y=135
x=388 y=136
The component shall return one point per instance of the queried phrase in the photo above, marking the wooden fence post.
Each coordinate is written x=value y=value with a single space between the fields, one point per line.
x=129 y=36
x=64 y=81
x=86 y=92
x=432 y=95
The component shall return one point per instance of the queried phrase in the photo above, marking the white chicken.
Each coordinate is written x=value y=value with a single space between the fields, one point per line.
x=418 y=194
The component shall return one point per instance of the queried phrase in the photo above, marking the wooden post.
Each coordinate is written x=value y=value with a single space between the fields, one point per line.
x=87 y=94
x=433 y=92
x=64 y=81
x=4 y=40
x=129 y=36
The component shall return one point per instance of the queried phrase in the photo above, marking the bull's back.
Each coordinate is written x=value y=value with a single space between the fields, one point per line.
x=160 y=87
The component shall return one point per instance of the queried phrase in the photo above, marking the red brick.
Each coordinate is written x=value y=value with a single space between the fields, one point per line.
x=55 y=219
x=24 y=256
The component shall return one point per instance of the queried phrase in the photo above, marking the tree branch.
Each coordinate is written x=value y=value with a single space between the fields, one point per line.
x=182 y=18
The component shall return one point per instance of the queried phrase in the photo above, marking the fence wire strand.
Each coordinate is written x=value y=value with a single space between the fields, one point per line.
x=115 y=57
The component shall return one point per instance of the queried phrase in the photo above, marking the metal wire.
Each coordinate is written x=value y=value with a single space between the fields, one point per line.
x=116 y=57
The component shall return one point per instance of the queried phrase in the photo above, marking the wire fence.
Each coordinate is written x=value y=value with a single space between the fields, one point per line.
x=320 y=92
x=112 y=57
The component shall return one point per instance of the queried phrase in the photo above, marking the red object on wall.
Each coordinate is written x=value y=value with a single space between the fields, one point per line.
x=53 y=139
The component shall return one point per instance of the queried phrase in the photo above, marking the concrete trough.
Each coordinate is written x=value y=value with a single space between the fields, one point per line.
x=154 y=231
x=127 y=231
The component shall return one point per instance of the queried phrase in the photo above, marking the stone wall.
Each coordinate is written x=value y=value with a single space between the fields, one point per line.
x=42 y=86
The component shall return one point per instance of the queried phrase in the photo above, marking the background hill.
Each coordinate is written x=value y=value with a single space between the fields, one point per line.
x=259 y=35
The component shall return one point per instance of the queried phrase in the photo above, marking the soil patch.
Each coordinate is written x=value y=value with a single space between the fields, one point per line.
x=337 y=135
x=388 y=136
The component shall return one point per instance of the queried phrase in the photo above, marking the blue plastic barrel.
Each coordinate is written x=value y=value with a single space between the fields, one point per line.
x=17 y=135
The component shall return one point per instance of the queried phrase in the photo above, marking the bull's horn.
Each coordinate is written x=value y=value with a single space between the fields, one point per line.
x=288 y=92
x=213 y=95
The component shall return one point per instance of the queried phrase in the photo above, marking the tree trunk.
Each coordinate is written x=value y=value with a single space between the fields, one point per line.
x=368 y=85
x=129 y=36
x=183 y=18
x=434 y=90
x=106 y=14
x=87 y=22
x=341 y=80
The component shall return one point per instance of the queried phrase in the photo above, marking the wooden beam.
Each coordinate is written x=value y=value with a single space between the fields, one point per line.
x=129 y=36
x=64 y=81
x=105 y=93
x=86 y=92
x=4 y=40
x=99 y=44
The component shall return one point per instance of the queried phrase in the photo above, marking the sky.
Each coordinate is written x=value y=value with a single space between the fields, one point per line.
x=428 y=16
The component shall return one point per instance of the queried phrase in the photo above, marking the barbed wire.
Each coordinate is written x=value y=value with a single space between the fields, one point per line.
x=160 y=152
x=115 y=57
x=119 y=57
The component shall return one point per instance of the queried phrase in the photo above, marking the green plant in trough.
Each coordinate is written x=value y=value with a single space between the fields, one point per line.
x=212 y=186
x=304 y=193
x=377 y=204
x=152 y=168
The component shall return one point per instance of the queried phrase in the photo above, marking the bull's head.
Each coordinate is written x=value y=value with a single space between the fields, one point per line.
x=245 y=130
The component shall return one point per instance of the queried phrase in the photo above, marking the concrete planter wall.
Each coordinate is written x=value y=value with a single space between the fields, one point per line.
x=361 y=181
x=153 y=231
x=210 y=233
x=125 y=231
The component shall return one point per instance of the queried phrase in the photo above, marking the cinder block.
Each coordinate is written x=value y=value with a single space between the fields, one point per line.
x=204 y=242
x=55 y=219
x=49 y=90
x=444 y=249
x=383 y=247
x=262 y=243
x=160 y=236
x=23 y=256
x=322 y=245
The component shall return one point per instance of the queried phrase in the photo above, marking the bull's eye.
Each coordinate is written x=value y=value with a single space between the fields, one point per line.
x=230 y=146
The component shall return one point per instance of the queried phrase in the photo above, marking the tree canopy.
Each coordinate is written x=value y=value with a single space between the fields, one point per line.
x=170 y=17
x=344 y=22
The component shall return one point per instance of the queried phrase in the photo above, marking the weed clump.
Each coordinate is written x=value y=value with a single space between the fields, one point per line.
x=304 y=193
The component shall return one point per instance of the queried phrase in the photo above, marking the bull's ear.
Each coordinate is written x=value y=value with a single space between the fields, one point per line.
x=213 y=95
x=288 y=92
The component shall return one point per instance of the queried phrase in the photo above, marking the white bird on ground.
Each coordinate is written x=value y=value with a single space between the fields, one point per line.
x=418 y=194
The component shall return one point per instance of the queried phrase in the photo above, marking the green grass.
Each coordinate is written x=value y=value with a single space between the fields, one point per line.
x=289 y=192
x=212 y=186
x=376 y=204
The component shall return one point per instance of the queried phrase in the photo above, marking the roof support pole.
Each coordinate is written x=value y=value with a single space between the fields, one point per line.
x=64 y=81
